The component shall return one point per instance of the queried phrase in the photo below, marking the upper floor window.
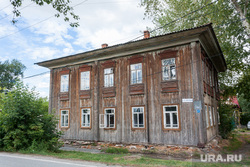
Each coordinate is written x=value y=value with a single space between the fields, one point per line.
x=85 y=80
x=108 y=77
x=136 y=73
x=64 y=83
x=64 y=118
x=85 y=120
x=138 y=117
x=171 y=119
x=107 y=120
x=168 y=69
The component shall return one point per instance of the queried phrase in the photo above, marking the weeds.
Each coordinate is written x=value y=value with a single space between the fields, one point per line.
x=114 y=150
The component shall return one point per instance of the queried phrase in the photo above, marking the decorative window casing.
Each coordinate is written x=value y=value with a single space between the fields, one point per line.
x=64 y=86
x=171 y=117
x=206 y=112
x=168 y=69
x=85 y=80
x=109 y=77
x=136 y=73
x=107 y=120
x=85 y=118
x=138 y=120
x=64 y=122
x=210 y=116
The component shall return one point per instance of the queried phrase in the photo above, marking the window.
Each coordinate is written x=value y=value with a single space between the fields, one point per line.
x=138 y=117
x=64 y=118
x=206 y=112
x=85 y=118
x=64 y=83
x=108 y=118
x=168 y=69
x=218 y=117
x=210 y=116
x=171 y=120
x=213 y=115
x=108 y=77
x=136 y=73
x=85 y=80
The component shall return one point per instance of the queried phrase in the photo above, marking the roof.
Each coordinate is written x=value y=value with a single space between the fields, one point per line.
x=204 y=34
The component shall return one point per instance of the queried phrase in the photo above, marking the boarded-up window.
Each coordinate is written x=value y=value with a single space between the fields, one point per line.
x=108 y=77
x=64 y=118
x=171 y=118
x=64 y=87
x=85 y=118
x=168 y=69
x=85 y=80
x=136 y=73
x=138 y=117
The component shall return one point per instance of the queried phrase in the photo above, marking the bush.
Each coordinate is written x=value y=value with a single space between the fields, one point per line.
x=114 y=150
x=226 y=120
x=25 y=122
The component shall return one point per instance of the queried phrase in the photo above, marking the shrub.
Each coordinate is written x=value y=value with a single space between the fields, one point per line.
x=114 y=150
x=25 y=122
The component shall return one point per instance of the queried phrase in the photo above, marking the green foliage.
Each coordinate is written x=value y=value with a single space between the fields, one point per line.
x=235 y=144
x=25 y=122
x=231 y=23
x=10 y=73
x=226 y=120
x=61 y=6
x=114 y=150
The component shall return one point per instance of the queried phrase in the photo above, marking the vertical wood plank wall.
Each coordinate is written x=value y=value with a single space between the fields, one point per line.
x=193 y=127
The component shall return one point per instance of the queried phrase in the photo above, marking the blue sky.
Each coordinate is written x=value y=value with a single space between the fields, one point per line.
x=32 y=39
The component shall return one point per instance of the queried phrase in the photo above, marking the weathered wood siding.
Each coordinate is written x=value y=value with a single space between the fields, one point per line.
x=152 y=94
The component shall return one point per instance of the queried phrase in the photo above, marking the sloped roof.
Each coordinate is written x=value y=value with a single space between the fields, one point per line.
x=204 y=34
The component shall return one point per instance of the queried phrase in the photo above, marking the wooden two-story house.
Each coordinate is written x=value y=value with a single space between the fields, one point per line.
x=158 y=90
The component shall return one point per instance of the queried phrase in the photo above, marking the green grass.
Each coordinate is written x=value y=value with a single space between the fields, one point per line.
x=235 y=144
x=114 y=150
x=122 y=159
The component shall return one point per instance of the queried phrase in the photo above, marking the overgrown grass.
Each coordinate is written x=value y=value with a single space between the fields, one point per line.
x=234 y=144
x=122 y=159
x=114 y=150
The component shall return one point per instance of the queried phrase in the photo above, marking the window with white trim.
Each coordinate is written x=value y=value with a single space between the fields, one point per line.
x=218 y=117
x=213 y=115
x=170 y=114
x=138 y=117
x=64 y=87
x=168 y=69
x=136 y=73
x=206 y=112
x=64 y=118
x=108 y=77
x=210 y=116
x=85 y=120
x=85 y=80
x=107 y=120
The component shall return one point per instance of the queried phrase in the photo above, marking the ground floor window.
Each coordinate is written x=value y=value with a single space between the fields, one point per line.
x=206 y=112
x=64 y=118
x=170 y=115
x=138 y=117
x=85 y=117
x=107 y=120
x=210 y=116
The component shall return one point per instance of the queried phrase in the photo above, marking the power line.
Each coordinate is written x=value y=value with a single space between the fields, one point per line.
x=5 y=7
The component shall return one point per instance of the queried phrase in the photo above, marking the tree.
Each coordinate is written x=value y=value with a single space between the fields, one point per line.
x=230 y=20
x=61 y=6
x=10 y=73
x=25 y=122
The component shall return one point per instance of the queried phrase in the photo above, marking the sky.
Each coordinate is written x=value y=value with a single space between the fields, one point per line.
x=38 y=36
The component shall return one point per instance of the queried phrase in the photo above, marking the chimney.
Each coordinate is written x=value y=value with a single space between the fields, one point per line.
x=104 y=45
x=146 y=34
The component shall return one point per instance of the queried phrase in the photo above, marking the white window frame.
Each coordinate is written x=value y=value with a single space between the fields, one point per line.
x=63 y=122
x=138 y=73
x=103 y=118
x=214 y=116
x=64 y=83
x=84 y=118
x=166 y=69
x=218 y=117
x=109 y=77
x=85 y=81
x=210 y=115
x=171 y=117
x=206 y=112
x=138 y=117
